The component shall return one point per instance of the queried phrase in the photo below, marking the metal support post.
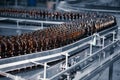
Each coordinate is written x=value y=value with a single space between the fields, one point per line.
x=99 y=55
x=86 y=54
x=68 y=77
x=110 y=72
x=45 y=68
x=99 y=41
x=17 y=24
x=18 y=28
x=66 y=63
x=103 y=42
x=118 y=34
x=104 y=55
x=38 y=77
x=111 y=66
x=90 y=48
x=96 y=39
x=114 y=36
x=66 y=58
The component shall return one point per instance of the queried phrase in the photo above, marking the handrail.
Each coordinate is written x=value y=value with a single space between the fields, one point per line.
x=51 y=56
x=88 y=42
x=71 y=8
x=11 y=76
x=102 y=66
x=22 y=27
x=69 y=68
x=28 y=20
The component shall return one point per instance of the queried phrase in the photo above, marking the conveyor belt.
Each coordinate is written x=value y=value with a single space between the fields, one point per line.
x=10 y=76
x=94 y=70
x=47 y=56
x=34 y=28
x=27 y=20
x=69 y=8
x=86 y=59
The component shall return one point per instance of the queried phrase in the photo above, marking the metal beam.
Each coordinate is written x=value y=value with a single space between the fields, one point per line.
x=45 y=67
x=21 y=27
x=111 y=71
x=48 y=58
x=13 y=77
x=69 y=8
x=94 y=54
x=37 y=63
x=111 y=66
x=101 y=67
x=35 y=21
x=1 y=19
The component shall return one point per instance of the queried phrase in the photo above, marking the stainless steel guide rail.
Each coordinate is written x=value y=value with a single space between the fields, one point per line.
x=42 y=58
x=68 y=7
x=11 y=76
x=27 y=20
x=56 y=73
x=83 y=74
x=33 y=28
x=103 y=65
x=55 y=68
x=24 y=61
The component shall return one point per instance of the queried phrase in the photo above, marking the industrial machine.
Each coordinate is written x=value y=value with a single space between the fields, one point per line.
x=81 y=41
